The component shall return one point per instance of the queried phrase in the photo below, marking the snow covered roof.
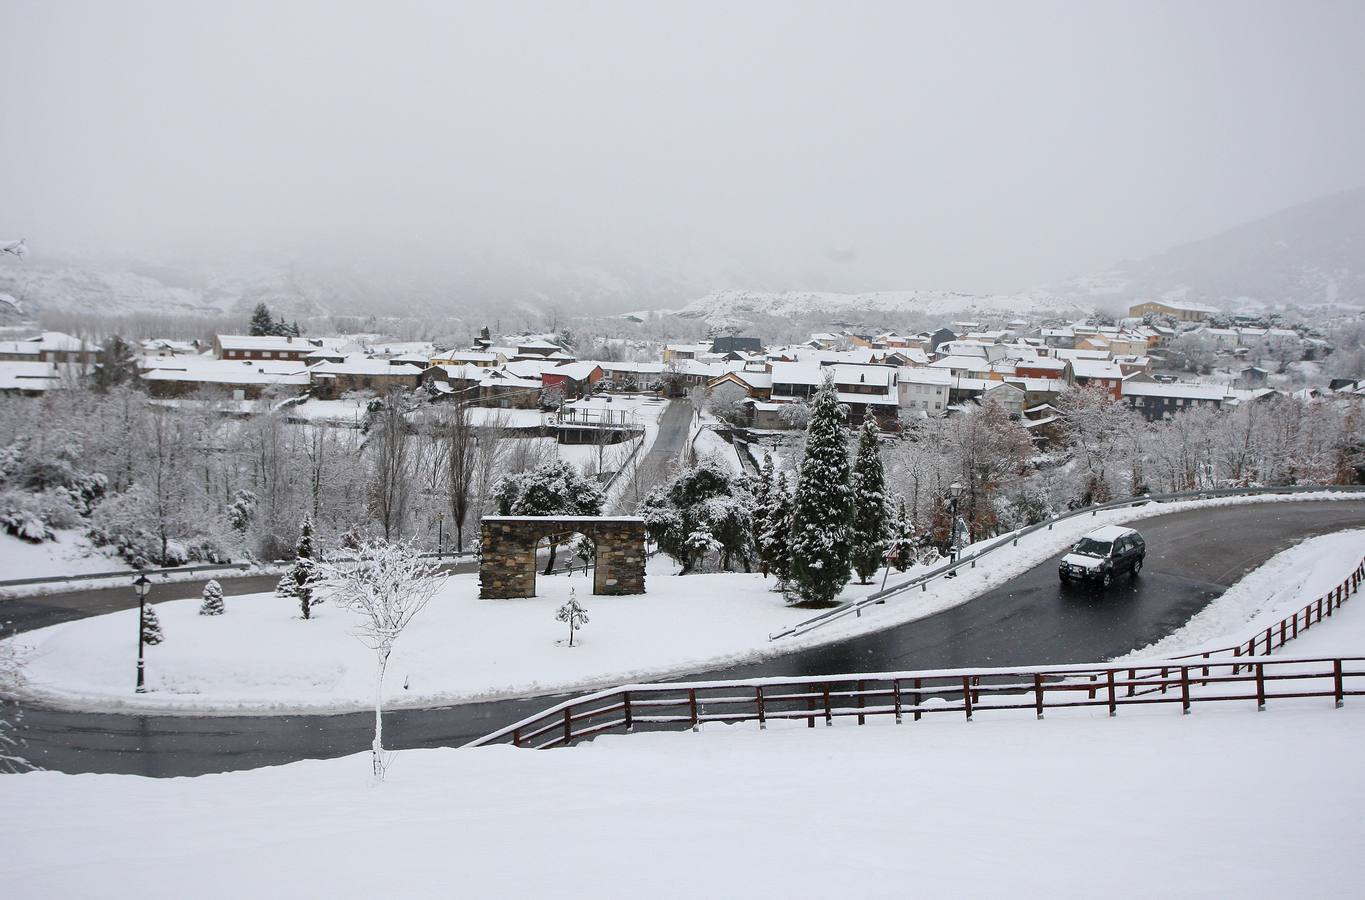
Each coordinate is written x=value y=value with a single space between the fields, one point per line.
x=273 y=342
x=1096 y=368
x=637 y=368
x=466 y=355
x=842 y=373
x=925 y=375
x=967 y=363
x=1175 y=389
x=576 y=371
x=22 y=375
x=208 y=370
x=365 y=366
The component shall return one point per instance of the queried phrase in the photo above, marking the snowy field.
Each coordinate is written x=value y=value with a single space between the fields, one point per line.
x=1148 y=804
x=261 y=657
x=70 y=554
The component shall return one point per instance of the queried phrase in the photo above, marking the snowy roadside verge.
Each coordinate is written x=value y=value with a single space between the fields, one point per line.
x=261 y=659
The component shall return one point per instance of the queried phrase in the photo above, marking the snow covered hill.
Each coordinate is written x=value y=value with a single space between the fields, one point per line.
x=721 y=309
x=1307 y=255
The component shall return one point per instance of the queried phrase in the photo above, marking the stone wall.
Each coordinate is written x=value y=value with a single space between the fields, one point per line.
x=507 y=544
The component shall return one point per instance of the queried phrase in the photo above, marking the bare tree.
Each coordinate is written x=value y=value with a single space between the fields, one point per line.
x=391 y=464
x=387 y=584
x=462 y=464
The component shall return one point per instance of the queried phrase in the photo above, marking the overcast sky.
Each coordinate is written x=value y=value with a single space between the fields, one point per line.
x=988 y=147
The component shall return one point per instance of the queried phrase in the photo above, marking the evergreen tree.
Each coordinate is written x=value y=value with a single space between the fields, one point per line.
x=822 y=516
x=213 y=599
x=703 y=510
x=304 y=570
x=762 y=491
x=902 y=539
x=151 y=626
x=871 y=518
x=261 y=322
x=117 y=364
x=286 y=588
x=776 y=547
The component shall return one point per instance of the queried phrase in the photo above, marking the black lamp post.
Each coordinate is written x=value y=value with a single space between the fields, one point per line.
x=954 y=494
x=142 y=585
x=440 y=535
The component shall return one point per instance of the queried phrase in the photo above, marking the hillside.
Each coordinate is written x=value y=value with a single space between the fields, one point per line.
x=729 y=310
x=1307 y=255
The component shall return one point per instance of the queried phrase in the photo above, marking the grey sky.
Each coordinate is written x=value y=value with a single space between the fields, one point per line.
x=863 y=146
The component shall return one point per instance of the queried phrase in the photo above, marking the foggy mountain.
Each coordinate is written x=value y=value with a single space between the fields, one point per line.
x=1309 y=254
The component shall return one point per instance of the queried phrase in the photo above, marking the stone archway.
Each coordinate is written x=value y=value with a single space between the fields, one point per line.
x=507 y=547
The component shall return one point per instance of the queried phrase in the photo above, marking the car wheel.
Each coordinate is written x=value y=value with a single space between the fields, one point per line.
x=1065 y=579
x=1137 y=567
x=1106 y=579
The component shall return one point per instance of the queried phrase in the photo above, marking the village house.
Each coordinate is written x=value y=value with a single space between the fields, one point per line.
x=1104 y=373
x=51 y=347
x=1157 y=400
x=331 y=379
x=574 y=380
x=28 y=378
x=1181 y=312
x=502 y=389
x=862 y=388
x=268 y=346
x=238 y=379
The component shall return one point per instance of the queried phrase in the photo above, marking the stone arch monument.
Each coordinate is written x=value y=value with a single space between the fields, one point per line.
x=507 y=547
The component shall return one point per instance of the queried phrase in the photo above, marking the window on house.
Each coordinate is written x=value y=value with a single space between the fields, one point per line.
x=265 y=354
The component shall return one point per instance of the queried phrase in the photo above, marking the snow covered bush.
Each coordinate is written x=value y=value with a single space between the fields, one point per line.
x=212 y=604
x=703 y=511
x=35 y=517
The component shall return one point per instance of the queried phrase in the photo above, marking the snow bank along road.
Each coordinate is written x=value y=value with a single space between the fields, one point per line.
x=1192 y=557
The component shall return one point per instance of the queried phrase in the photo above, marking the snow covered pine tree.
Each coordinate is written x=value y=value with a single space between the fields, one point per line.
x=151 y=626
x=213 y=599
x=776 y=546
x=871 y=517
x=823 y=513
x=304 y=570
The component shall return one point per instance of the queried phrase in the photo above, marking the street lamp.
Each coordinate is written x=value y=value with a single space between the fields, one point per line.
x=440 y=534
x=142 y=585
x=954 y=494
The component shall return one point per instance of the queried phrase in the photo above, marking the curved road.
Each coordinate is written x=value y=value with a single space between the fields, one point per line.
x=1192 y=557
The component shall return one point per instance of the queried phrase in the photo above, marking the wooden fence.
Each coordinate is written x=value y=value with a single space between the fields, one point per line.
x=1211 y=676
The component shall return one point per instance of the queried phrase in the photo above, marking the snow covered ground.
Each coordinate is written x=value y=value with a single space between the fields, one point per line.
x=70 y=554
x=1148 y=804
x=261 y=657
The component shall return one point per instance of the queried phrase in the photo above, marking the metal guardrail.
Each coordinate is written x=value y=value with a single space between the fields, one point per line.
x=123 y=573
x=1012 y=538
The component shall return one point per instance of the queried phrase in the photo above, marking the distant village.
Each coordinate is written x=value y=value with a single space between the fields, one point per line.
x=1161 y=359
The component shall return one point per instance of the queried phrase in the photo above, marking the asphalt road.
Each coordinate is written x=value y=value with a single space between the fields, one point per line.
x=1192 y=557
x=28 y=613
x=674 y=427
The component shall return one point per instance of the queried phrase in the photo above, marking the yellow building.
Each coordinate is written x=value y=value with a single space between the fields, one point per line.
x=1182 y=312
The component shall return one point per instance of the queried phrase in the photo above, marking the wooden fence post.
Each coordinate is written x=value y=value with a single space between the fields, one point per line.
x=862 y=702
x=1185 y=690
x=692 y=705
x=967 y=696
x=625 y=704
x=758 y=700
x=896 y=698
x=1113 y=704
x=829 y=713
x=568 y=726
x=1260 y=687
x=1132 y=677
x=1038 y=693
x=1336 y=678
x=918 y=685
x=516 y=737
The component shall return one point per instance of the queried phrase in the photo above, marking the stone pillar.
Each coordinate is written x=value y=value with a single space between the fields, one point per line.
x=508 y=566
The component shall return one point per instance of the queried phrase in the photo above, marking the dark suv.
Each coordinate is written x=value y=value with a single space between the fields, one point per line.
x=1103 y=554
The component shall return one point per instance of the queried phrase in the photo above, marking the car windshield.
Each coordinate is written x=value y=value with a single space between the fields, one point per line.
x=1092 y=547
